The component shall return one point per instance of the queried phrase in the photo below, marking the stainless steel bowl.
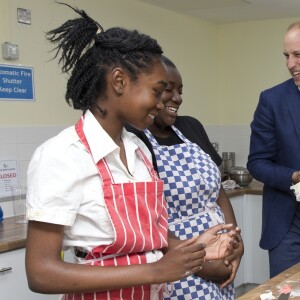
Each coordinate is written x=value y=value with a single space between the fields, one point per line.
x=240 y=175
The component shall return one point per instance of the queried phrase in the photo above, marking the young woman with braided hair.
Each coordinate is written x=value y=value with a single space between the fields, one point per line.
x=92 y=188
x=187 y=163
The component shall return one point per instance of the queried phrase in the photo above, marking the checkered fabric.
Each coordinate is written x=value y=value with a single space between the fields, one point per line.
x=191 y=186
x=194 y=287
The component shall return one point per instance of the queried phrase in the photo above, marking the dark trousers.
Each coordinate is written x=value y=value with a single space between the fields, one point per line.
x=287 y=252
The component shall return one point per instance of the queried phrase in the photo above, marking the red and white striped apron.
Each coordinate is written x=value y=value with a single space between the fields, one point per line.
x=138 y=214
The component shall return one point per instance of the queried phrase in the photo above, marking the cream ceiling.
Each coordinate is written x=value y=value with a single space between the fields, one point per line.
x=228 y=11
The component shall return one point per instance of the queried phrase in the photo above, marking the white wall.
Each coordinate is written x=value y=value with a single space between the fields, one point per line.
x=19 y=143
x=224 y=68
x=250 y=60
x=190 y=42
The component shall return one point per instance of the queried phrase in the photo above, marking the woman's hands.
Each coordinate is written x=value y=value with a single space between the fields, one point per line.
x=181 y=260
x=215 y=270
x=223 y=271
x=233 y=261
x=220 y=245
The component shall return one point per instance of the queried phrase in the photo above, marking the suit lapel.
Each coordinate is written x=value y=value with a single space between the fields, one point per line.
x=293 y=102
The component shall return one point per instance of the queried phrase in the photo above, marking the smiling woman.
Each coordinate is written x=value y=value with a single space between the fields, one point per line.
x=187 y=162
x=92 y=188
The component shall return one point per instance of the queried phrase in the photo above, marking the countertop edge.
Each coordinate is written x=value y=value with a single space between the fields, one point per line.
x=13 y=236
x=14 y=245
x=254 y=188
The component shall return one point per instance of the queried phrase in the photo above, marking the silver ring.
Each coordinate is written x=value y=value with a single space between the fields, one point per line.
x=187 y=273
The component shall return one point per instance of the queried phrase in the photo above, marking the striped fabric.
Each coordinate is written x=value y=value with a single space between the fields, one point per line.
x=139 y=216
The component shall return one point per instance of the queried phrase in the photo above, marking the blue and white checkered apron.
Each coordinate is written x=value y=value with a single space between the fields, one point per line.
x=191 y=186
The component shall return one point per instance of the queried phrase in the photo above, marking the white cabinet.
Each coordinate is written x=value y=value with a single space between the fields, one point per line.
x=238 y=207
x=256 y=259
x=13 y=283
x=254 y=267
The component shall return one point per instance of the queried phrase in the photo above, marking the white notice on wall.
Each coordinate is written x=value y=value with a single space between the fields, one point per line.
x=8 y=176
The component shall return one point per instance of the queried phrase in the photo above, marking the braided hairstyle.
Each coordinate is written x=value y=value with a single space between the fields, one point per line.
x=90 y=52
x=168 y=62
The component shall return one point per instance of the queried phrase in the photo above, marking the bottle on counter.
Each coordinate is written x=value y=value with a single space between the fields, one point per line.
x=228 y=161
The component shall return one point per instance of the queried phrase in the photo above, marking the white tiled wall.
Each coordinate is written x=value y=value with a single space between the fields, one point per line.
x=19 y=143
x=231 y=138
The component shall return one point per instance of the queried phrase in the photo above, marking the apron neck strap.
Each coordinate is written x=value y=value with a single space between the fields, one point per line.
x=103 y=168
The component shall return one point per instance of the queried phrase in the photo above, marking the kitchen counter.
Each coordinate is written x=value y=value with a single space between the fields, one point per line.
x=254 y=188
x=290 y=276
x=13 y=235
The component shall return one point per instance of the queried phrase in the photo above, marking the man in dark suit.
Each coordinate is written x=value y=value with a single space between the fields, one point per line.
x=274 y=159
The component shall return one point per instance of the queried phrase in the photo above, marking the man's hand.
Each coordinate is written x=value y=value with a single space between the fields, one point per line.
x=296 y=177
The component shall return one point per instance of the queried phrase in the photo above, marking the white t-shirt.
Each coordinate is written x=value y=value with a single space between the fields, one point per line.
x=64 y=186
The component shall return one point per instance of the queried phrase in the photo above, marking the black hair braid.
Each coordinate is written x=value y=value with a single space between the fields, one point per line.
x=168 y=62
x=127 y=41
x=73 y=37
x=131 y=49
x=85 y=85
x=90 y=62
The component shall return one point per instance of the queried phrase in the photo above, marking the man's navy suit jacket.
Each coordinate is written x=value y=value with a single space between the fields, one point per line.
x=274 y=156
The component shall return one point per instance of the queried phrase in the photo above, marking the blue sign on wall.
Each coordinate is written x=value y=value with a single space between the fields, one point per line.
x=16 y=83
